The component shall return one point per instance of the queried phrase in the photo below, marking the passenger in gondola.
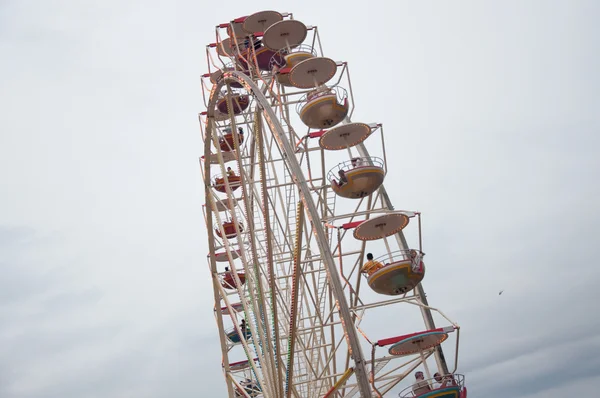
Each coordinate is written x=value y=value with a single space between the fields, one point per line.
x=251 y=39
x=416 y=260
x=228 y=278
x=439 y=382
x=356 y=162
x=230 y=172
x=243 y=327
x=241 y=132
x=448 y=380
x=343 y=178
x=421 y=386
x=371 y=265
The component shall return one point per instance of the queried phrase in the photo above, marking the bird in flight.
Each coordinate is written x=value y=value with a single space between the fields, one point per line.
x=501 y=291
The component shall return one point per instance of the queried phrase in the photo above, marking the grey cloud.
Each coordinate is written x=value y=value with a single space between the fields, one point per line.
x=10 y=236
x=542 y=370
x=25 y=277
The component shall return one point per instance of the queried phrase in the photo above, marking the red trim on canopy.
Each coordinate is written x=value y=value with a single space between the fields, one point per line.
x=350 y=225
x=212 y=45
x=393 y=340
x=206 y=75
x=259 y=34
x=284 y=71
x=224 y=25
x=240 y=19
x=316 y=134
x=232 y=305
x=241 y=362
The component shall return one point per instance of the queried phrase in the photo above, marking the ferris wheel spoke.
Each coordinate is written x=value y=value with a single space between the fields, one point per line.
x=270 y=265
x=294 y=300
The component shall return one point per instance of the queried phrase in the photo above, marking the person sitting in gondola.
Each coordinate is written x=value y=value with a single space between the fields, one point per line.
x=421 y=386
x=228 y=278
x=251 y=39
x=448 y=380
x=343 y=178
x=226 y=131
x=416 y=258
x=243 y=327
x=371 y=265
x=356 y=162
x=230 y=172
x=241 y=131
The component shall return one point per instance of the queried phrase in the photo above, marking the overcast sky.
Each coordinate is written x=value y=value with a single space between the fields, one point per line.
x=492 y=111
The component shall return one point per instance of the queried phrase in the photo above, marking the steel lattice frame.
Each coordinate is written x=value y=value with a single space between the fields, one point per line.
x=302 y=295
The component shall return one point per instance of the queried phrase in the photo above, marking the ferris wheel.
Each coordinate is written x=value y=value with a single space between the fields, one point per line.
x=317 y=278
